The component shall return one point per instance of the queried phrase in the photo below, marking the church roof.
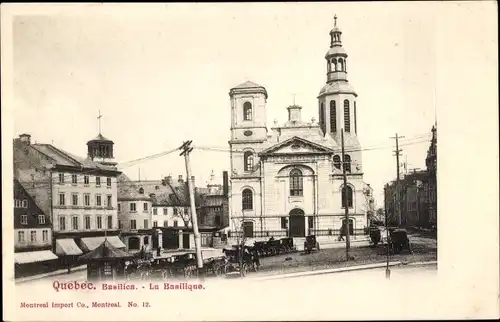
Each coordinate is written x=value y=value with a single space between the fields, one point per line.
x=295 y=139
x=336 y=88
x=249 y=87
x=248 y=84
x=336 y=50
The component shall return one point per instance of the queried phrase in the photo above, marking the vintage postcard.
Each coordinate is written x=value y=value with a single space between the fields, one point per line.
x=250 y=161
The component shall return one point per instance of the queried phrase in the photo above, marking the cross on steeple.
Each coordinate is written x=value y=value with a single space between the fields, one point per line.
x=335 y=20
x=99 y=120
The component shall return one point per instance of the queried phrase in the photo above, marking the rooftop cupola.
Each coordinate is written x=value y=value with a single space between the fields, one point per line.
x=336 y=57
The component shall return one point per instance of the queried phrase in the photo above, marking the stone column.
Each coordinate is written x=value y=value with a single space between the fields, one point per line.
x=181 y=244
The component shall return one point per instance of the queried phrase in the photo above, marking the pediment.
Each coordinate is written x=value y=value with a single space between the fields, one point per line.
x=297 y=145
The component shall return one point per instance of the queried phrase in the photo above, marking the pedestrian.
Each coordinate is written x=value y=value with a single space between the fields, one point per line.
x=342 y=232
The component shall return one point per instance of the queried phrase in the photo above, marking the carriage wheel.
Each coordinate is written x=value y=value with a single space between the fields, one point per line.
x=244 y=269
x=217 y=269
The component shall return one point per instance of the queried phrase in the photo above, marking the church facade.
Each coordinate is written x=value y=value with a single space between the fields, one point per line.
x=289 y=181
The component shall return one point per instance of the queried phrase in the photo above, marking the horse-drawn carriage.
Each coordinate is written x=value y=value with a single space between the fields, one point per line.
x=395 y=238
x=311 y=244
x=249 y=260
x=399 y=240
x=176 y=265
x=274 y=247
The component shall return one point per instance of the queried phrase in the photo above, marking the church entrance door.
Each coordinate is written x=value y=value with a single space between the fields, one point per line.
x=297 y=226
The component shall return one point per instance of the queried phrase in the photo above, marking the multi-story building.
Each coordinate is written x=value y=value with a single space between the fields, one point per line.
x=134 y=215
x=32 y=234
x=417 y=189
x=79 y=194
x=171 y=226
x=290 y=181
x=431 y=184
x=214 y=210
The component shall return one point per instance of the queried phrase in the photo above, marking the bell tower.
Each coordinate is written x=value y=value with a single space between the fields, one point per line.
x=337 y=99
x=248 y=112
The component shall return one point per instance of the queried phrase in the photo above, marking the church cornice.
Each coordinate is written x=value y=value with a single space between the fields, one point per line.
x=337 y=92
x=240 y=141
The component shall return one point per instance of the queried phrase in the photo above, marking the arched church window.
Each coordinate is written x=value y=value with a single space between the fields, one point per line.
x=322 y=116
x=347 y=163
x=347 y=116
x=346 y=196
x=341 y=65
x=333 y=117
x=336 y=161
x=247 y=200
x=296 y=183
x=355 y=119
x=247 y=111
x=248 y=159
x=334 y=64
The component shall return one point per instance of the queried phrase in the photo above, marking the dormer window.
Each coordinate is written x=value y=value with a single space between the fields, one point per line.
x=141 y=191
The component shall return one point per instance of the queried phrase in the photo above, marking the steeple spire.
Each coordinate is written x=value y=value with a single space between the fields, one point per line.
x=336 y=56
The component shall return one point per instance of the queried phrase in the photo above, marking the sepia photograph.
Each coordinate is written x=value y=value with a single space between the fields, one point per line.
x=223 y=161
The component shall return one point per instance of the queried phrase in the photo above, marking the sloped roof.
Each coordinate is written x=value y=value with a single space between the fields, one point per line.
x=100 y=137
x=337 y=87
x=128 y=190
x=248 y=87
x=162 y=193
x=63 y=158
x=105 y=251
x=276 y=147
x=248 y=84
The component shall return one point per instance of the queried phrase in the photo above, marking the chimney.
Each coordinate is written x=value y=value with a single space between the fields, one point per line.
x=25 y=138
x=294 y=113
x=180 y=179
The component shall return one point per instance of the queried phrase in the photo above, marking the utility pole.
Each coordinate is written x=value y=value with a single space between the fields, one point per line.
x=242 y=245
x=347 y=242
x=387 y=269
x=197 y=238
x=398 y=202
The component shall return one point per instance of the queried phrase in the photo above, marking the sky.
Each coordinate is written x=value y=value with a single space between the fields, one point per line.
x=160 y=75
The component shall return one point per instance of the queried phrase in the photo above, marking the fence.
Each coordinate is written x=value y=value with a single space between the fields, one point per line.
x=336 y=232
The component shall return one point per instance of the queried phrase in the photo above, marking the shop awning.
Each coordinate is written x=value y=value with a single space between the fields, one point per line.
x=67 y=246
x=34 y=257
x=116 y=242
x=90 y=243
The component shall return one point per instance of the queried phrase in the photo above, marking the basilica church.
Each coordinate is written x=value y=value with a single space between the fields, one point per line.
x=288 y=181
